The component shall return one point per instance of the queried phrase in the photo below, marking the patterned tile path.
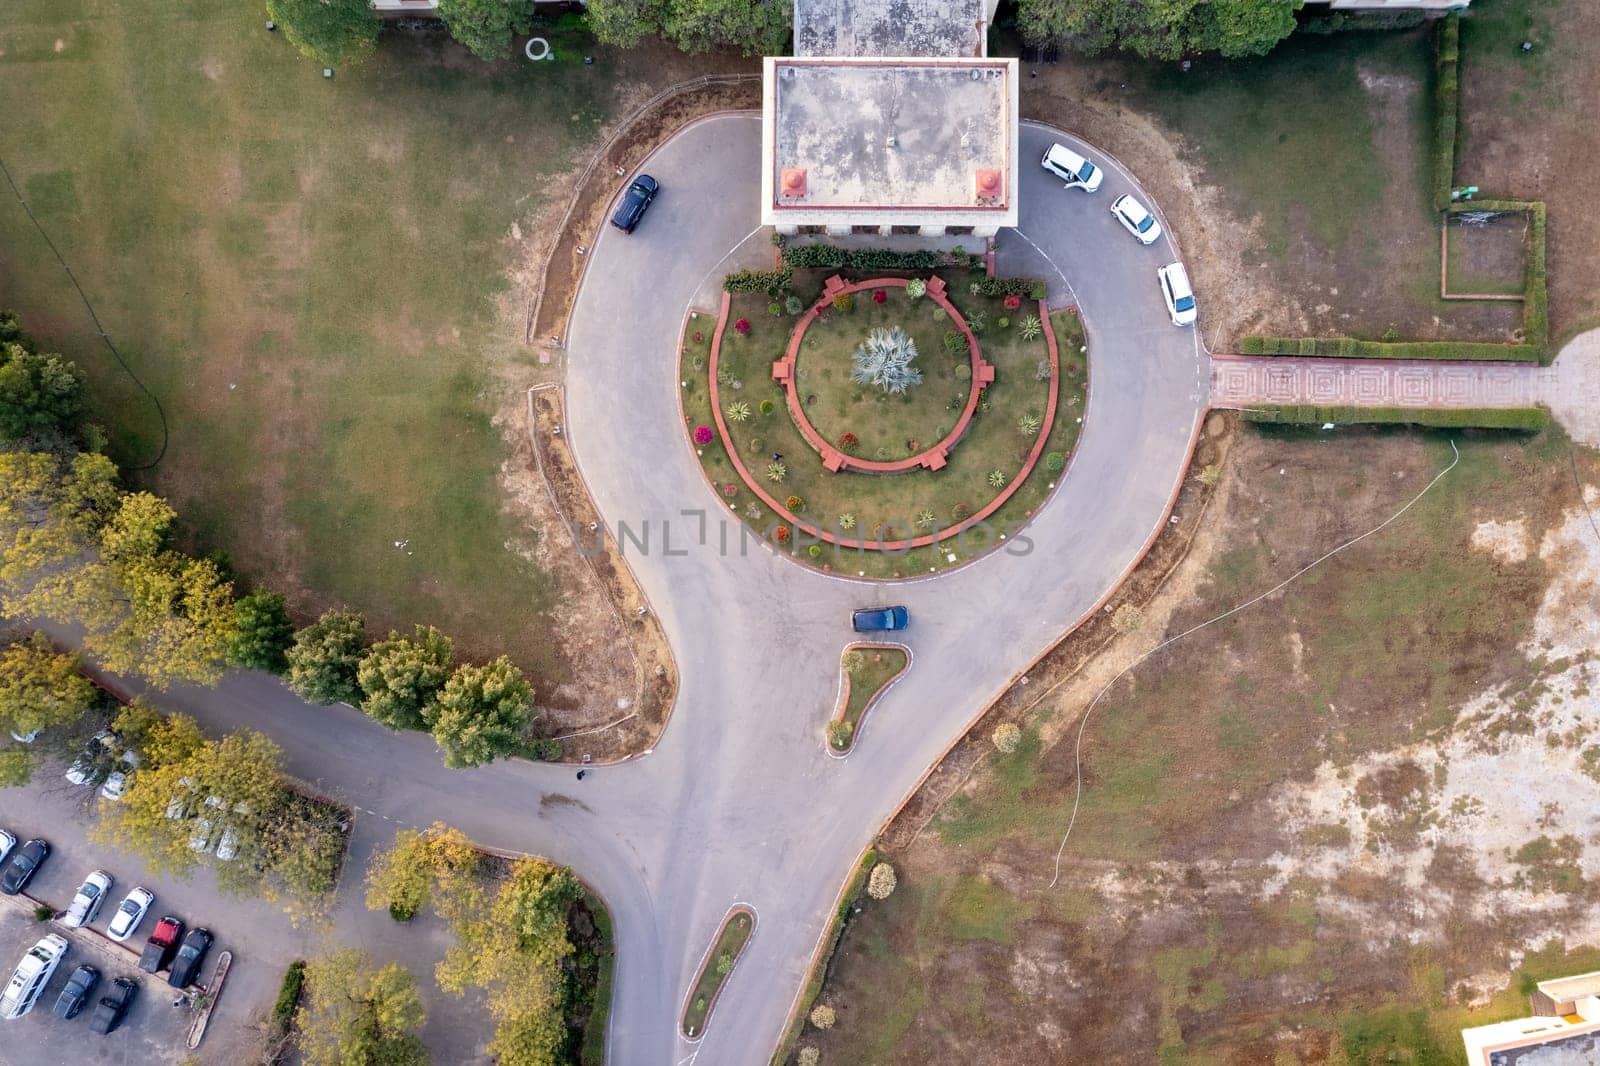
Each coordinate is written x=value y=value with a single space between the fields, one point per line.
x=1239 y=381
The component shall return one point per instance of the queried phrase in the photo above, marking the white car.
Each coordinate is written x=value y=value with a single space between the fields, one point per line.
x=7 y=842
x=86 y=904
x=121 y=779
x=228 y=844
x=1176 y=292
x=200 y=840
x=84 y=768
x=26 y=738
x=1072 y=168
x=130 y=912
x=31 y=975
x=1136 y=220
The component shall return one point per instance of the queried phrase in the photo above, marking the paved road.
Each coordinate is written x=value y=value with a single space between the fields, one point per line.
x=739 y=802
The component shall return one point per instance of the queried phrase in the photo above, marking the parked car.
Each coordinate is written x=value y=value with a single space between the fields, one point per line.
x=635 y=202
x=86 y=904
x=1072 y=168
x=91 y=764
x=163 y=938
x=121 y=779
x=7 y=842
x=1136 y=220
x=31 y=975
x=23 y=865
x=130 y=912
x=26 y=738
x=880 y=619
x=228 y=844
x=1176 y=292
x=74 y=997
x=108 y=1013
x=202 y=839
x=186 y=966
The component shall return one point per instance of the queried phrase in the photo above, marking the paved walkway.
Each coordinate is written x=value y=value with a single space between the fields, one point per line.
x=1241 y=381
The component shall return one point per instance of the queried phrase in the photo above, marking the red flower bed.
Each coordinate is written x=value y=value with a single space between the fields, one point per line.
x=742 y=326
x=1012 y=302
x=879 y=296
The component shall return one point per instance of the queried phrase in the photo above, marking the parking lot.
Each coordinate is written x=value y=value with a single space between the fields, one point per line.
x=261 y=937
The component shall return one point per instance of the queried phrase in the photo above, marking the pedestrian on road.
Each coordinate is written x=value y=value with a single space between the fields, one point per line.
x=581 y=773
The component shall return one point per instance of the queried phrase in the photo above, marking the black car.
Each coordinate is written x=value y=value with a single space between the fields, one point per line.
x=109 y=1011
x=186 y=967
x=635 y=202
x=75 y=996
x=20 y=870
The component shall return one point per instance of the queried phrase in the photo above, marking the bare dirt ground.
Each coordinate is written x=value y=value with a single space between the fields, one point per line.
x=1333 y=829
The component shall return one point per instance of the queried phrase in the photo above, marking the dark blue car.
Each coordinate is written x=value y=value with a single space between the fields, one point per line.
x=635 y=201
x=880 y=619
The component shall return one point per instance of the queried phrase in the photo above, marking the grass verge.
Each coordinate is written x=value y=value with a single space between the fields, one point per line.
x=730 y=942
x=868 y=670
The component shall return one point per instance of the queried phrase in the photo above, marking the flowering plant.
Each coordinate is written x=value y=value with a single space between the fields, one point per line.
x=879 y=296
x=699 y=336
x=1012 y=302
x=849 y=442
x=702 y=434
x=783 y=534
x=742 y=326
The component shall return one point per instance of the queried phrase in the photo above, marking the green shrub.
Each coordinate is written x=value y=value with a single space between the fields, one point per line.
x=963 y=372
x=766 y=407
x=1009 y=286
x=546 y=749
x=840 y=734
x=42 y=913
x=1031 y=328
x=844 y=302
x=815 y=551
x=1351 y=348
x=793 y=304
x=1055 y=462
x=803 y=256
x=767 y=281
x=775 y=309
x=1522 y=418
x=1446 y=108
x=289 y=995
x=955 y=342
x=978 y=321
x=916 y=288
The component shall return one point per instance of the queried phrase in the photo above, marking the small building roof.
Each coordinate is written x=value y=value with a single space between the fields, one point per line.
x=1576 y=1049
x=890 y=28
x=924 y=137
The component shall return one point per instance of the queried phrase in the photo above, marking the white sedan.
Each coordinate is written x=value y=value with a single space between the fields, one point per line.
x=130 y=913
x=86 y=904
x=1136 y=220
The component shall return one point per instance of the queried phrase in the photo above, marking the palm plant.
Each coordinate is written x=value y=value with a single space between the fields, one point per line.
x=1031 y=329
x=884 y=359
x=738 y=411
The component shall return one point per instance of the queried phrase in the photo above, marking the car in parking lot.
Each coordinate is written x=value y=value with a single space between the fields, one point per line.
x=7 y=842
x=108 y=1013
x=75 y=996
x=1178 y=295
x=1072 y=168
x=31 y=975
x=186 y=966
x=24 y=863
x=640 y=194
x=880 y=619
x=91 y=764
x=86 y=904
x=130 y=912
x=121 y=779
x=163 y=938
x=1136 y=220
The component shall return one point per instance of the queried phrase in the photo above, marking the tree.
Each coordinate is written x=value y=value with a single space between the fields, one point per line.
x=16 y=767
x=881 y=882
x=884 y=359
x=160 y=739
x=1160 y=29
x=752 y=26
x=403 y=879
x=1006 y=737
x=37 y=391
x=51 y=513
x=179 y=622
x=486 y=26
x=261 y=632
x=356 y=1015
x=325 y=656
x=330 y=31
x=823 y=1016
x=482 y=711
x=41 y=687
x=401 y=677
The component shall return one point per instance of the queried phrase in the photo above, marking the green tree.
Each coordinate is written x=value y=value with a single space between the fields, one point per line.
x=330 y=31
x=404 y=879
x=356 y=1015
x=481 y=712
x=325 y=657
x=1160 y=29
x=752 y=26
x=486 y=26
x=36 y=391
x=262 y=632
x=16 y=767
x=41 y=687
x=401 y=677
x=51 y=513
x=160 y=739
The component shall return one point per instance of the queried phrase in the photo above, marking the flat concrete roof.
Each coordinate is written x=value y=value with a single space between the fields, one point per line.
x=1578 y=1049
x=885 y=137
x=1567 y=989
x=890 y=28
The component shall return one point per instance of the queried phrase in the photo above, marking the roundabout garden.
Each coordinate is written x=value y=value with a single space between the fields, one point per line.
x=882 y=425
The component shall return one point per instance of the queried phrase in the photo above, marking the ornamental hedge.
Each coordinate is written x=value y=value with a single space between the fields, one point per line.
x=814 y=256
x=770 y=282
x=1531 y=419
x=1446 y=108
x=1351 y=348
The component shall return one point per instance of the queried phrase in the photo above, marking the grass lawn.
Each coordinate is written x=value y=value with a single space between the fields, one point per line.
x=313 y=275
x=901 y=505
x=1192 y=923
x=731 y=939
x=869 y=670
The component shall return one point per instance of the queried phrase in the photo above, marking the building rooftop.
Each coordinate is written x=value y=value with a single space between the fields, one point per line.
x=911 y=135
x=1568 y=989
x=889 y=28
x=1578 y=1049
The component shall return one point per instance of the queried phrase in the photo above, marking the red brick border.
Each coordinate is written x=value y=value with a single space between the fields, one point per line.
x=835 y=460
x=891 y=545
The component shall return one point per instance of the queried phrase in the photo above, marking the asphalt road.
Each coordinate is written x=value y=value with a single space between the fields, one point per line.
x=739 y=803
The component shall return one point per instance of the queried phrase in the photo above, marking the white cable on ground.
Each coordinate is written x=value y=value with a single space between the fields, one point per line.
x=1077 y=755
